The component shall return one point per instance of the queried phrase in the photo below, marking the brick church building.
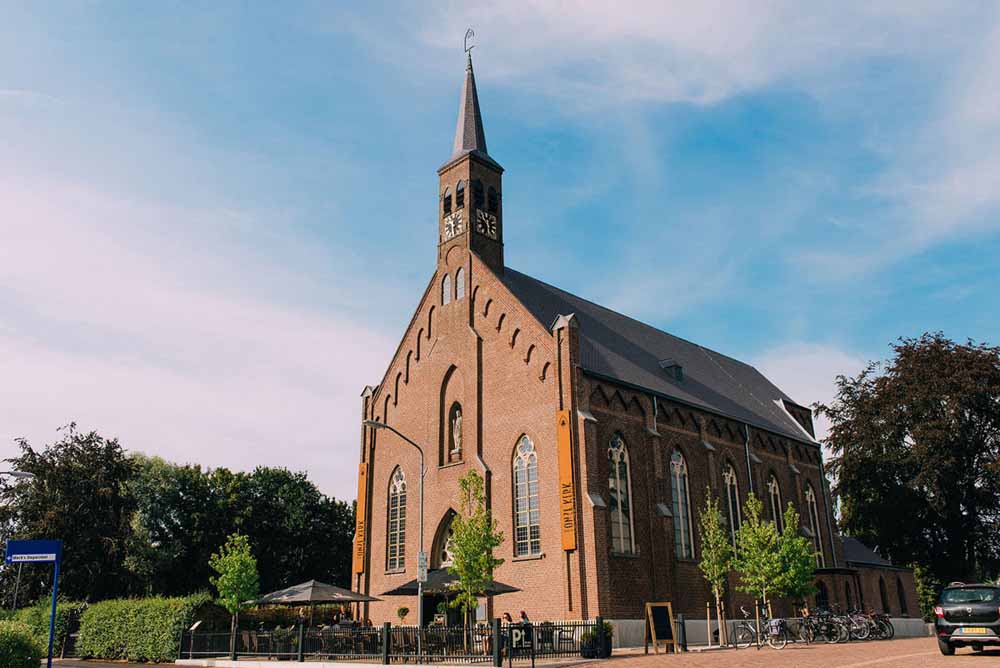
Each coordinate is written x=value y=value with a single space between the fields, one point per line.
x=597 y=436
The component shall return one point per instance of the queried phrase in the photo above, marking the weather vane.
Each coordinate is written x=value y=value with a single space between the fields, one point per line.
x=469 y=34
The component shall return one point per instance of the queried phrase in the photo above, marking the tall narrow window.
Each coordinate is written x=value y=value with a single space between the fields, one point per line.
x=848 y=599
x=477 y=194
x=460 y=195
x=492 y=200
x=732 y=487
x=620 y=491
x=527 y=522
x=902 y=598
x=774 y=497
x=822 y=596
x=395 y=557
x=446 y=289
x=813 y=511
x=447 y=201
x=682 y=507
x=883 y=595
x=460 y=283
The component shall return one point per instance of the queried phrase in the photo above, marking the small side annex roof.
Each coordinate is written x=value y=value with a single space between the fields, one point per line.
x=621 y=348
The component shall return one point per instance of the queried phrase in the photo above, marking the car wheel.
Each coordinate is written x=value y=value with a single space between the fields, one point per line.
x=946 y=648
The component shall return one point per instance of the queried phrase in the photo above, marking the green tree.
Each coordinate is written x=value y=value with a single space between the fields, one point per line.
x=475 y=536
x=236 y=577
x=920 y=434
x=716 y=552
x=757 y=559
x=797 y=560
x=79 y=495
x=928 y=589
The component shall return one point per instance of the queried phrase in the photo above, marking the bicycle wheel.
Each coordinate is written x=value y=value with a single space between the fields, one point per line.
x=830 y=632
x=891 y=629
x=745 y=637
x=806 y=633
x=860 y=629
x=843 y=632
x=778 y=640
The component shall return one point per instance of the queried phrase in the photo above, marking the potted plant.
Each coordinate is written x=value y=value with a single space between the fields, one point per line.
x=590 y=646
x=401 y=612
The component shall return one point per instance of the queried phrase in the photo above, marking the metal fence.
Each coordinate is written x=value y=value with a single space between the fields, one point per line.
x=491 y=644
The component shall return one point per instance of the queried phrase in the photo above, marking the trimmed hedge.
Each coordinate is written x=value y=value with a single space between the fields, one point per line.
x=146 y=629
x=18 y=646
x=36 y=618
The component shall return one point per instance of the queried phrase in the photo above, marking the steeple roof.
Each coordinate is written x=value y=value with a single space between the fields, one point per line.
x=469 y=134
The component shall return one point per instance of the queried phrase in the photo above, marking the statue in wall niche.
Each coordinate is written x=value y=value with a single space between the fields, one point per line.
x=456 y=433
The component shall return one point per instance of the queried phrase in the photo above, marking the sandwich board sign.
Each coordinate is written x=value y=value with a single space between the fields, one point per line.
x=39 y=552
x=660 y=627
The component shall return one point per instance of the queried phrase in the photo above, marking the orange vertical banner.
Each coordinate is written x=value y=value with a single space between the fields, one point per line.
x=567 y=489
x=360 y=519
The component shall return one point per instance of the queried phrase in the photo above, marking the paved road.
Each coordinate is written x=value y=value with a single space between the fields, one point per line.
x=908 y=653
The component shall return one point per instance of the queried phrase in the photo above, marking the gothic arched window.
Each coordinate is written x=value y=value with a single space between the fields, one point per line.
x=620 y=491
x=848 y=599
x=812 y=510
x=460 y=195
x=883 y=595
x=447 y=201
x=455 y=433
x=460 y=283
x=527 y=520
x=477 y=194
x=774 y=499
x=446 y=289
x=395 y=555
x=822 y=595
x=732 y=487
x=443 y=554
x=902 y=598
x=682 y=507
x=492 y=200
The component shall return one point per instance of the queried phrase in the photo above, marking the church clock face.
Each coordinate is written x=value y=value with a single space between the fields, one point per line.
x=486 y=224
x=453 y=225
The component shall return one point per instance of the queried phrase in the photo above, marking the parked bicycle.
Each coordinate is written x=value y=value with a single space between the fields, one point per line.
x=774 y=632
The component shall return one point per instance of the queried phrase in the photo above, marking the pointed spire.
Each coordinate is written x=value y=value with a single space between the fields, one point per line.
x=469 y=135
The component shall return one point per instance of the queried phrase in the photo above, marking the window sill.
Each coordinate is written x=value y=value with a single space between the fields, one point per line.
x=529 y=557
x=451 y=464
x=686 y=560
x=624 y=555
x=395 y=571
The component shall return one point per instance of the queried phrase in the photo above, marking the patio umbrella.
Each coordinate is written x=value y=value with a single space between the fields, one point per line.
x=440 y=581
x=312 y=592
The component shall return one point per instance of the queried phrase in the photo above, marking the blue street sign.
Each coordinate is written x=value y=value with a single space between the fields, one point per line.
x=33 y=551
x=39 y=551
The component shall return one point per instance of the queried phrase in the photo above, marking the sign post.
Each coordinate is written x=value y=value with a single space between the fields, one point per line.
x=422 y=566
x=35 y=552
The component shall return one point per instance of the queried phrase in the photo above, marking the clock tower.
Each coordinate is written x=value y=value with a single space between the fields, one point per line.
x=470 y=206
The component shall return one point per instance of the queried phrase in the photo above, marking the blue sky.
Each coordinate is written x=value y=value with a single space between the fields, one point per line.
x=216 y=219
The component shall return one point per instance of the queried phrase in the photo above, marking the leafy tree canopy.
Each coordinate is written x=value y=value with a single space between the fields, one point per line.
x=236 y=577
x=137 y=525
x=757 y=559
x=475 y=536
x=916 y=465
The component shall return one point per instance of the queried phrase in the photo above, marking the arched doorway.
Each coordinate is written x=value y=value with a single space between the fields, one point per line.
x=436 y=606
x=822 y=595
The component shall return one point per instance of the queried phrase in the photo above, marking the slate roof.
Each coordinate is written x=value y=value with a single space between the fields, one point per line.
x=856 y=552
x=621 y=348
x=469 y=134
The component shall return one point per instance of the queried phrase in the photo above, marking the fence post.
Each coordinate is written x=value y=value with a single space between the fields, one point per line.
x=301 y=653
x=497 y=639
x=602 y=650
x=386 y=641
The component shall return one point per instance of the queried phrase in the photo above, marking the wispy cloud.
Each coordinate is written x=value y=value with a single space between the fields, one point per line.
x=122 y=318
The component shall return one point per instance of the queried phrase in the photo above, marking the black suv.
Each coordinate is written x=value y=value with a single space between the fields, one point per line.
x=967 y=615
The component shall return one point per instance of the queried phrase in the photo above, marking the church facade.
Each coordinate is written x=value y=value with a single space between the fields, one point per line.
x=598 y=437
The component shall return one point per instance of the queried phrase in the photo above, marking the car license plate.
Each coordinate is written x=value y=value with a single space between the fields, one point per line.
x=972 y=630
